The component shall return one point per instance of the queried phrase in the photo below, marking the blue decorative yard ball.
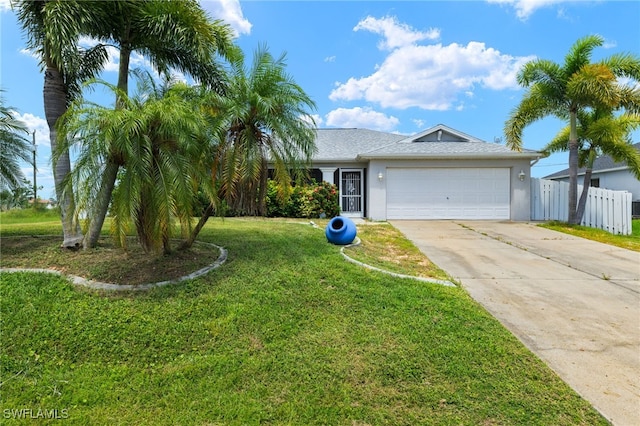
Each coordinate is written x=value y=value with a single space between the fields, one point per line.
x=341 y=230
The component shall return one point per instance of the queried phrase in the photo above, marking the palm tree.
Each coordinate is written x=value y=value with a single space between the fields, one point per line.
x=600 y=132
x=13 y=148
x=172 y=35
x=266 y=123
x=564 y=91
x=269 y=120
x=165 y=158
x=53 y=28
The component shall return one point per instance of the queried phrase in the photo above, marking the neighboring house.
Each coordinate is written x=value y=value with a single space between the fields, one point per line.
x=48 y=204
x=440 y=173
x=606 y=174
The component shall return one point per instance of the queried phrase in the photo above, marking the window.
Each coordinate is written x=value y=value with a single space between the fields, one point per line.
x=595 y=183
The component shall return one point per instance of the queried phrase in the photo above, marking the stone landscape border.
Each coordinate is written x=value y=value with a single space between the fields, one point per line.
x=98 y=285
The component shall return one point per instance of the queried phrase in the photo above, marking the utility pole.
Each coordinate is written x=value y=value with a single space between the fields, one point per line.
x=35 y=185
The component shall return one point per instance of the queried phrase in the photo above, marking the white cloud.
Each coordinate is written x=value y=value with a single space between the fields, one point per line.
x=44 y=174
x=5 y=5
x=361 y=118
x=419 y=123
x=330 y=59
x=31 y=53
x=525 y=8
x=33 y=122
x=432 y=77
x=230 y=12
x=317 y=119
x=395 y=34
x=112 y=65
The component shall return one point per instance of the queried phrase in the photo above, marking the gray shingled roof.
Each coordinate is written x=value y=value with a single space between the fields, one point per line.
x=599 y=164
x=437 y=142
x=347 y=144
x=446 y=149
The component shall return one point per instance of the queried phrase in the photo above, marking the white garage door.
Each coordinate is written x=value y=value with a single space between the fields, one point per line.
x=448 y=193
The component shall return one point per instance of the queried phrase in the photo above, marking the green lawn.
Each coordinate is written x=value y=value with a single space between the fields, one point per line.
x=26 y=216
x=630 y=242
x=285 y=332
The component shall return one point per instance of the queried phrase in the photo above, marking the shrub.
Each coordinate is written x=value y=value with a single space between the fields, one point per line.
x=309 y=201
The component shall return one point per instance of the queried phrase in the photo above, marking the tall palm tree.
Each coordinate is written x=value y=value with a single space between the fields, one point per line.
x=172 y=35
x=53 y=28
x=600 y=132
x=564 y=90
x=13 y=147
x=165 y=159
x=266 y=123
x=269 y=121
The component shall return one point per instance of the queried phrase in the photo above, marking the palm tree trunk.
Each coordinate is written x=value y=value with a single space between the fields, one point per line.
x=582 y=203
x=55 y=105
x=573 y=167
x=194 y=233
x=111 y=170
x=262 y=189
x=101 y=207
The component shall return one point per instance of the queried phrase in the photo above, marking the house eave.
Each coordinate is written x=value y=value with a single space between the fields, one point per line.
x=593 y=172
x=336 y=160
x=451 y=156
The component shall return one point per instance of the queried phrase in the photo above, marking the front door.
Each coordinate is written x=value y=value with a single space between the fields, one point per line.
x=351 y=190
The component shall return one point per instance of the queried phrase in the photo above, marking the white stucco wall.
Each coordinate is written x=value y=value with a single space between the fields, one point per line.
x=520 y=208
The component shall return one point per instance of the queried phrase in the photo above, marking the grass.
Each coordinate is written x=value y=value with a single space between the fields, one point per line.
x=25 y=216
x=285 y=332
x=383 y=246
x=630 y=242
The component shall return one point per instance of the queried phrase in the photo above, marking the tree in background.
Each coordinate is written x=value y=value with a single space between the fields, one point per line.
x=565 y=91
x=14 y=147
x=600 y=132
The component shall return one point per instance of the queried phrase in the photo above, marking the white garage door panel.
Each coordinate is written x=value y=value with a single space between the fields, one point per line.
x=445 y=193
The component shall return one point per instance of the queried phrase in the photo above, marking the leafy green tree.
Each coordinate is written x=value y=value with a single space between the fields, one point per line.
x=565 y=90
x=18 y=196
x=53 y=28
x=14 y=147
x=164 y=152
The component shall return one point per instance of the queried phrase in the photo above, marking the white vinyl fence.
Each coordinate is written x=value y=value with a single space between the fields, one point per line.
x=605 y=209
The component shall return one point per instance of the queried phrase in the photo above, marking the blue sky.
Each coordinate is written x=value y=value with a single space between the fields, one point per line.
x=400 y=66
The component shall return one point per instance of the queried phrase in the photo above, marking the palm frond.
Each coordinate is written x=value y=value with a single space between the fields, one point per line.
x=580 y=52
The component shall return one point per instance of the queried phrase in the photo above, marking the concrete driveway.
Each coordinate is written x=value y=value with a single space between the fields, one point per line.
x=575 y=303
